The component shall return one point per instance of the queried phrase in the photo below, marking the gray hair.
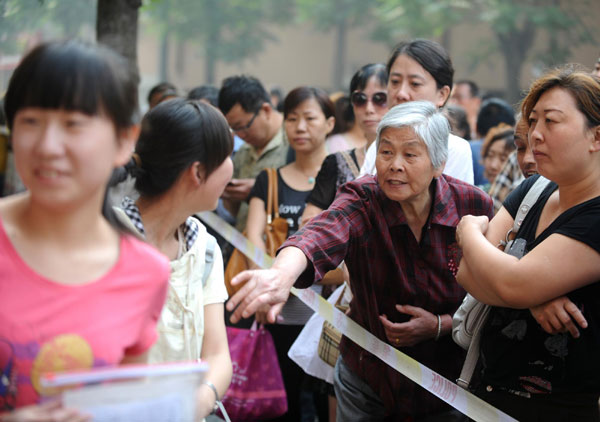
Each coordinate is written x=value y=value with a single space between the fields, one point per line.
x=428 y=123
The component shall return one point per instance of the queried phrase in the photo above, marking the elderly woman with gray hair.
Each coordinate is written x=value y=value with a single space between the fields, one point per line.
x=395 y=231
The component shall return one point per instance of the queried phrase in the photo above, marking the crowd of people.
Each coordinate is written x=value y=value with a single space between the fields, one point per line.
x=404 y=187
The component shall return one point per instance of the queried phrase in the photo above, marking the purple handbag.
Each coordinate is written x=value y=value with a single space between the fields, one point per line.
x=256 y=391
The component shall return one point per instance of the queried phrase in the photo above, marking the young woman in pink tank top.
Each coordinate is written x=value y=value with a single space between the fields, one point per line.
x=78 y=290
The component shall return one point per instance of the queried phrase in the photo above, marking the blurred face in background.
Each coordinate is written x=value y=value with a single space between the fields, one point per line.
x=524 y=154
x=252 y=127
x=494 y=159
x=369 y=105
x=306 y=126
x=461 y=95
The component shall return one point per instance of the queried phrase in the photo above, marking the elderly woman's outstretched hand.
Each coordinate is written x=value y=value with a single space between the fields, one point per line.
x=261 y=288
x=264 y=288
x=469 y=223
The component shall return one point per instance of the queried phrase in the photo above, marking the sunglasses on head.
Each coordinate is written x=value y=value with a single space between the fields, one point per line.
x=360 y=99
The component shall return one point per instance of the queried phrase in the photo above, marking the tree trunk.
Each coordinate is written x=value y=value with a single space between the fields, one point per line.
x=446 y=40
x=211 y=54
x=180 y=58
x=514 y=46
x=210 y=64
x=340 y=55
x=213 y=40
x=116 y=27
x=163 y=59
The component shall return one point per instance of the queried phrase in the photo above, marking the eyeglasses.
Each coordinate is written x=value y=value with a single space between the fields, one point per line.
x=360 y=99
x=247 y=126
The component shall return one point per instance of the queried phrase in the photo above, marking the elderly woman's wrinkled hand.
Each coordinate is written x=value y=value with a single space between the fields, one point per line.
x=262 y=289
x=559 y=316
x=261 y=315
x=421 y=326
x=471 y=222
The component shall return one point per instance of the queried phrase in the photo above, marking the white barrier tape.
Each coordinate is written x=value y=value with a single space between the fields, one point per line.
x=446 y=390
x=237 y=239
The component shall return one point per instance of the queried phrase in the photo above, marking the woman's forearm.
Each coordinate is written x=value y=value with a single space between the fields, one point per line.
x=485 y=271
x=215 y=351
x=220 y=371
x=291 y=262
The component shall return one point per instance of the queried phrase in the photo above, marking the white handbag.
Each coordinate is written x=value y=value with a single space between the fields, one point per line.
x=471 y=316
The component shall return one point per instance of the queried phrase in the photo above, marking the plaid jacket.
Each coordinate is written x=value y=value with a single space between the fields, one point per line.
x=388 y=267
x=507 y=180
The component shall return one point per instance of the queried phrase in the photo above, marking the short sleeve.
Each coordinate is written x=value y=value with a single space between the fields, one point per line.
x=514 y=199
x=261 y=186
x=584 y=224
x=325 y=187
x=214 y=291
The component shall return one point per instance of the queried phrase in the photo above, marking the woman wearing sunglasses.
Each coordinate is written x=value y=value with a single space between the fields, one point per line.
x=369 y=104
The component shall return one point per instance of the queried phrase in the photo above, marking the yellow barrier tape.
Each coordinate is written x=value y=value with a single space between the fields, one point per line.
x=446 y=390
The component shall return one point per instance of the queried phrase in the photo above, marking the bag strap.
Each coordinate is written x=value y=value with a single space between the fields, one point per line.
x=351 y=164
x=269 y=196
x=209 y=259
x=273 y=196
x=466 y=373
x=275 y=193
x=527 y=203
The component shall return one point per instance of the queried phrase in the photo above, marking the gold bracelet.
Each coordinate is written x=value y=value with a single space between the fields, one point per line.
x=439 y=330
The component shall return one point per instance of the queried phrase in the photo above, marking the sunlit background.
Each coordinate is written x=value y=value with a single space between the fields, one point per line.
x=500 y=44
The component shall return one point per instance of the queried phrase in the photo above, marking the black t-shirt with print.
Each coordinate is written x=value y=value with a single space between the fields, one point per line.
x=516 y=353
x=291 y=201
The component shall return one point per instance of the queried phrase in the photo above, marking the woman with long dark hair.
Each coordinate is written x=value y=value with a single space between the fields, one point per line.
x=182 y=167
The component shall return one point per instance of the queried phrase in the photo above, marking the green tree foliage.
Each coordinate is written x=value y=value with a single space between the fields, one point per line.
x=19 y=19
x=222 y=30
x=17 y=16
x=515 y=25
x=337 y=16
x=404 y=19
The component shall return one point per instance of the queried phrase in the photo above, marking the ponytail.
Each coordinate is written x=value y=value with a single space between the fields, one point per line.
x=119 y=175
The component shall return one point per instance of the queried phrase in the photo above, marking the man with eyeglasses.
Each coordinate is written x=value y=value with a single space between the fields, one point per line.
x=248 y=110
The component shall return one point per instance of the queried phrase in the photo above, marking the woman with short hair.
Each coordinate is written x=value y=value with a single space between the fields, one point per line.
x=539 y=353
x=497 y=146
x=395 y=232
